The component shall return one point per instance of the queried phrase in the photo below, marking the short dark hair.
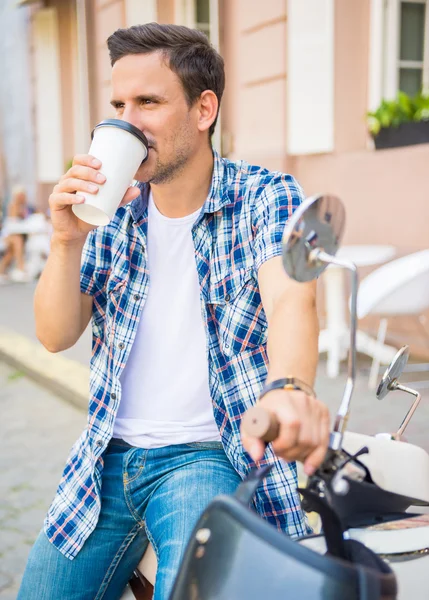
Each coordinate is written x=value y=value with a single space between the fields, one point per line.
x=189 y=52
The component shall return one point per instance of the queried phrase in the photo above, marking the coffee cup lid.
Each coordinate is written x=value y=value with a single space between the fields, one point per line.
x=122 y=125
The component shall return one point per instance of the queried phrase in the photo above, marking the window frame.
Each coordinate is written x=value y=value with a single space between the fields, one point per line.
x=185 y=14
x=385 y=22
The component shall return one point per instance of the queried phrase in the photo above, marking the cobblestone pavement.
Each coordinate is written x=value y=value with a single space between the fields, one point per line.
x=37 y=431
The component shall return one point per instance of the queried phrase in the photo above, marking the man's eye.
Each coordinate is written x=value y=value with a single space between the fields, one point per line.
x=147 y=101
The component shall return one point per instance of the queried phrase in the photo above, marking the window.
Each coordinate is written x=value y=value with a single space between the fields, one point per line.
x=202 y=15
x=399 y=48
x=412 y=17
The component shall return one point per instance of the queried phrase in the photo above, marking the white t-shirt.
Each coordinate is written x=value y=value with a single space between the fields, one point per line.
x=165 y=390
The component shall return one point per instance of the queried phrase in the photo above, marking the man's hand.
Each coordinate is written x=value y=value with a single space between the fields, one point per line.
x=84 y=176
x=304 y=429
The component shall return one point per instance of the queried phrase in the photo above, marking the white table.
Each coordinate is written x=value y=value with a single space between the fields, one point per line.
x=335 y=338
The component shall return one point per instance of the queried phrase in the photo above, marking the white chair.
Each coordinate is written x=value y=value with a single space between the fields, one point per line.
x=400 y=287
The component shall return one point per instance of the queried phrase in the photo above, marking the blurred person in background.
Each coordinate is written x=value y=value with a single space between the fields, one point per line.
x=13 y=238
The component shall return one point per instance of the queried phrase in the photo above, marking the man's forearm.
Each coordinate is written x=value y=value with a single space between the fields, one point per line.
x=293 y=339
x=57 y=300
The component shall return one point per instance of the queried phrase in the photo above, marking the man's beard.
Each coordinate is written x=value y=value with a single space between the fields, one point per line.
x=166 y=172
x=181 y=141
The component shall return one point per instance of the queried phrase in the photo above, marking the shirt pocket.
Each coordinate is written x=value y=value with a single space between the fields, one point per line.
x=234 y=303
x=116 y=301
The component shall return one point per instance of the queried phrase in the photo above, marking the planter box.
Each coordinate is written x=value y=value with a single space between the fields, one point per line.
x=406 y=134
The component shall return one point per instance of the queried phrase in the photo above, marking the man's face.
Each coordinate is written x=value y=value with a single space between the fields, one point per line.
x=146 y=93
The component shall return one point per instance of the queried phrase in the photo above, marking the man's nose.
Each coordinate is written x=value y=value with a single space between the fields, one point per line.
x=131 y=115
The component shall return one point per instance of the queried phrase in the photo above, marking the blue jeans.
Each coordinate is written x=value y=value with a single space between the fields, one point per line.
x=155 y=495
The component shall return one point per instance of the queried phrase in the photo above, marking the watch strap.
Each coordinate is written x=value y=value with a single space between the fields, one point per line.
x=287 y=383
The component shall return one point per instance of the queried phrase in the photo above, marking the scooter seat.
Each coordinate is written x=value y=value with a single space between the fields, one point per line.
x=389 y=463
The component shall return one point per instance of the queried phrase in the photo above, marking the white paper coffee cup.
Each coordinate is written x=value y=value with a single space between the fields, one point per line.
x=121 y=148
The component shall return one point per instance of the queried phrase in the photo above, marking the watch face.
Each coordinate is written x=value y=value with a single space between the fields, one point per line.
x=297 y=384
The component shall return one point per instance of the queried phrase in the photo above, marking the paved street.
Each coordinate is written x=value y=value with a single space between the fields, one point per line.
x=37 y=431
x=16 y=313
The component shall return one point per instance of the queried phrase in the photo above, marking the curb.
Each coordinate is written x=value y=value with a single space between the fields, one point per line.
x=66 y=378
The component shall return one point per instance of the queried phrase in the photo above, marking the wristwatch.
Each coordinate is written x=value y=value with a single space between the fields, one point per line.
x=287 y=383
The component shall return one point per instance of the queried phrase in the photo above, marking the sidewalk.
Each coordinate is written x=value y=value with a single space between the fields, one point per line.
x=16 y=314
x=66 y=373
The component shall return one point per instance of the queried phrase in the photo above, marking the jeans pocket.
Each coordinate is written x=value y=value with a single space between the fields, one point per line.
x=134 y=462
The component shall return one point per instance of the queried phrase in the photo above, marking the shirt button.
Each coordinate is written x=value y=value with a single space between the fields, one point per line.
x=226 y=345
x=136 y=297
x=121 y=345
x=227 y=298
x=113 y=396
x=99 y=442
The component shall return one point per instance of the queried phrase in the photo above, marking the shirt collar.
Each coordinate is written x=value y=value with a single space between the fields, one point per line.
x=217 y=198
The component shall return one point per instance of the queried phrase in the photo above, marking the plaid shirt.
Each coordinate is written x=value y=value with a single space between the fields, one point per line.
x=239 y=228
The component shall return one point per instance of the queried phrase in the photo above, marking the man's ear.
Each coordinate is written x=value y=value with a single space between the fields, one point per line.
x=207 y=110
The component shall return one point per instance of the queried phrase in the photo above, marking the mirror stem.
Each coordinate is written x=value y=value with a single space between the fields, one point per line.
x=342 y=416
x=410 y=413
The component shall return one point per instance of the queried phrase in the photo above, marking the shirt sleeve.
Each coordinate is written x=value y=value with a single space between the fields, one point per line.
x=89 y=264
x=273 y=206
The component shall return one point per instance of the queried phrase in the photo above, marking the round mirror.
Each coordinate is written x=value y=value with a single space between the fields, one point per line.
x=393 y=372
x=317 y=223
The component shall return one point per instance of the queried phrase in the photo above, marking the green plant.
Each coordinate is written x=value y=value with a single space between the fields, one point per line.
x=403 y=109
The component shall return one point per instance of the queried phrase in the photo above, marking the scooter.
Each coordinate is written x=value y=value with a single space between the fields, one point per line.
x=370 y=548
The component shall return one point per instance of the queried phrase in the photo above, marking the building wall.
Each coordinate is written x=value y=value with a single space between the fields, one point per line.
x=69 y=99
x=372 y=184
x=385 y=193
x=16 y=118
x=106 y=17
x=254 y=105
x=67 y=49
x=351 y=74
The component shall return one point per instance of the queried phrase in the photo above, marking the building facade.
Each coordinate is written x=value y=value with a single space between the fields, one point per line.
x=301 y=76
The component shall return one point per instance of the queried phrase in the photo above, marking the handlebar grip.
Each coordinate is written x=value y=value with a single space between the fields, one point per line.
x=260 y=423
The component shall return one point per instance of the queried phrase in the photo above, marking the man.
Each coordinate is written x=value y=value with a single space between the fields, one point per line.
x=181 y=287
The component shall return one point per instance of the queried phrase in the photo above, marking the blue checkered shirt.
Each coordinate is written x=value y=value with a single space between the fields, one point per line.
x=239 y=228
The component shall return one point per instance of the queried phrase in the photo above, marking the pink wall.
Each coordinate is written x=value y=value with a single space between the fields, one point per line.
x=107 y=16
x=254 y=106
x=377 y=187
x=386 y=192
x=351 y=55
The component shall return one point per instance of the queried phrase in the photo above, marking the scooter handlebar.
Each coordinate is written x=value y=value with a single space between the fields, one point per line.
x=260 y=423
